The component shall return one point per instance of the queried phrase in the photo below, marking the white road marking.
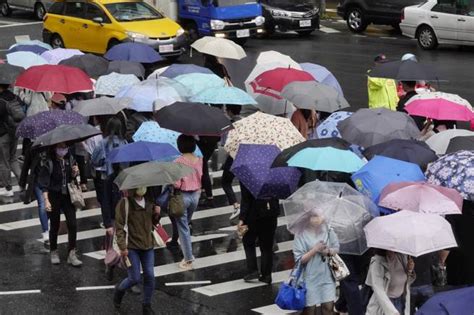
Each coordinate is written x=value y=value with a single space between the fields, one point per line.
x=21 y=24
x=328 y=30
x=388 y=37
x=99 y=287
x=171 y=284
x=20 y=292
x=272 y=309
x=281 y=222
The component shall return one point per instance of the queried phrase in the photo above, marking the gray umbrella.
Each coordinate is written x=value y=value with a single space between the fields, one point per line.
x=314 y=95
x=127 y=67
x=66 y=133
x=93 y=65
x=102 y=106
x=368 y=127
x=8 y=73
x=151 y=174
x=460 y=143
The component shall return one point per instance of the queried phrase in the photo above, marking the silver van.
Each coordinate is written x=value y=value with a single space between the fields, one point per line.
x=38 y=7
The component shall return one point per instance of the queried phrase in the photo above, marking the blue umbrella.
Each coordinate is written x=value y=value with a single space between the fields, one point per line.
x=228 y=95
x=322 y=75
x=143 y=151
x=327 y=159
x=453 y=302
x=197 y=82
x=177 y=69
x=328 y=128
x=31 y=48
x=136 y=52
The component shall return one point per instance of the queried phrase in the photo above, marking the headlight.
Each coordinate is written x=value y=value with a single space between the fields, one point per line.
x=259 y=20
x=280 y=13
x=136 y=36
x=217 y=24
x=179 y=32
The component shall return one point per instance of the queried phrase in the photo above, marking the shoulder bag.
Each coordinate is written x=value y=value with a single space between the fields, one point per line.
x=176 y=203
x=112 y=251
x=292 y=293
x=338 y=267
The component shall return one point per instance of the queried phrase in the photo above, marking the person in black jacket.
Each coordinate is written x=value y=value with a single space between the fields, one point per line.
x=259 y=218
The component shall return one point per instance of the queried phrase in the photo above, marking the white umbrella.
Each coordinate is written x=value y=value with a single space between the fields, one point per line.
x=272 y=56
x=25 y=59
x=111 y=84
x=219 y=47
x=440 y=141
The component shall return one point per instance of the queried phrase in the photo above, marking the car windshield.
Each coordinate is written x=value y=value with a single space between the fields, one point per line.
x=132 y=11
x=280 y=3
x=229 y=3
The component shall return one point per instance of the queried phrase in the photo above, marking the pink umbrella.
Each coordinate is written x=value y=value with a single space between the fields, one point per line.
x=421 y=197
x=441 y=106
x=410 y=233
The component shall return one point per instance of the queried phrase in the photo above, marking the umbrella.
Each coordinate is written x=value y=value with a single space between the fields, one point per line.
x=34 y=42
x=404 y=70
x=454 y=170
x=8 y=73
x=322 y=75
x=368 y=127
x=36 y=125
x=439 y=142
x=177 y=69
x=227 y=95
x=440 y=106
x=36 y=49
x=326 y=159
x=272 y=82
x=102 y=106
x=197 y=82
x=272 y=56
x=56 y=55
x=461 y=143
x=260 y=128
x=66 y=133
x=54 y=78
x=345 y=209
x=151 y=174
x=93 y=65
x=142 y=151
x=219 y=47
x=410 y=233
x=413 y=151
x=25 y=59
x=421 y=197
x=252 y=167
x=452 y=302
x=112 y=83
x=314 y=95
x=132 y=51
x=150 y=131
x=328 y=128
x=193 y=119
x=127 y=67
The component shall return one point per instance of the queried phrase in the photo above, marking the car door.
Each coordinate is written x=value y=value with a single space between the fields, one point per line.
x=444 y=20
x=465 y=18
x=72 y=21
x=97 y=35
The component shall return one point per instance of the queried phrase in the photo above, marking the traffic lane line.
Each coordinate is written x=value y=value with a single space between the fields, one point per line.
x=20 y=24
x=20 y=292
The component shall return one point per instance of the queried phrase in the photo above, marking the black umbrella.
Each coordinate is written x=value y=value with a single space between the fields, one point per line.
x=126 y=67
x=460 y=143
x=8 y=73
x=282 y=158
x=193 y=119
x=66 y=133
x=407 y=70
x=93 y=65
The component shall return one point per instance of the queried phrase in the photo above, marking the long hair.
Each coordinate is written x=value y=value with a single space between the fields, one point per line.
x=114 y=127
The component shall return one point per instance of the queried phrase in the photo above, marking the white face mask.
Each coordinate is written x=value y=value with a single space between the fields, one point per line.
x=141 y=191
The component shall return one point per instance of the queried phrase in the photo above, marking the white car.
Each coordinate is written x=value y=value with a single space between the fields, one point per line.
x=440 y=22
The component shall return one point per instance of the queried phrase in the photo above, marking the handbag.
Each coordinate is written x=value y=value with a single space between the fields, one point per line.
x=176 y=204
x=292 y=294
x=112 y=250
x=337 y=266
x=75 y=193
x=160 y=236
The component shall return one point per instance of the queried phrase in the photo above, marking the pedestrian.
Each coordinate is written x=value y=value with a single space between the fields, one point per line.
x=420 y=85
x=57 y=101
x=410 y=91
x=207 y=145
x=135 y=220
x=313 y=244
x=422 y=288
x=57 y=171
x=134 y=121
x=304 y=121
x=390 y=276
x=382 y=92
x=215 y=65
x=258 y=220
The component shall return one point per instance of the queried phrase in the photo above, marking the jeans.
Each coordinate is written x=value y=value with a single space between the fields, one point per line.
x=263 y=229
x=8 y=161
x=43 y=215
x=191 y=200
x=399 y=304
x=419 y=295
x=62 y=202
x=227 y=178
x=147 y=260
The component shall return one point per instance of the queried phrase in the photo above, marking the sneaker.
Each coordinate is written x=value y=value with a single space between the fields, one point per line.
x=234 y=217
x=55 y=257
x=72 y=259
x=251 y=276
x=186 y=265
x=45 y=236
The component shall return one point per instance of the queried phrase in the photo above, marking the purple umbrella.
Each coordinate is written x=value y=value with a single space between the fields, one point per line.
x=136 y=52
x=36 y=125
x=252 y=166
x=322 y=75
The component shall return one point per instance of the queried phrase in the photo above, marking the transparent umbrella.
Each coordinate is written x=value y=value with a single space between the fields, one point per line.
x=343 y=207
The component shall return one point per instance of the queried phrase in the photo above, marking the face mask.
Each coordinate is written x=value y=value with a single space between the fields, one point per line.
x=141 y=191
x=61 y=152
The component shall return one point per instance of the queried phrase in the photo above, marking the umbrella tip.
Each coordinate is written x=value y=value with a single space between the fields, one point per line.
x=340 y=195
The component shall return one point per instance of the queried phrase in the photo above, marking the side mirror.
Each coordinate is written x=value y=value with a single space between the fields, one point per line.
x=98 y=20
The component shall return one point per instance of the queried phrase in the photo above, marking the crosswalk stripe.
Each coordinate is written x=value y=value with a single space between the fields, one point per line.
x=171 y=284
x=20 y=292
x=272 y=309
x=281 y=221
x=328 y=30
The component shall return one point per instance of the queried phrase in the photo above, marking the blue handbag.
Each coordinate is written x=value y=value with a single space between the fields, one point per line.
x=292 y=294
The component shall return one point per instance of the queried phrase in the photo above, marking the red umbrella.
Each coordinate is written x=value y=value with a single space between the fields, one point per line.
x=273 y=81
x=54 y=78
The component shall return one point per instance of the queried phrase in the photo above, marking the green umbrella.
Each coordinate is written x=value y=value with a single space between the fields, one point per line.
x=151 y=174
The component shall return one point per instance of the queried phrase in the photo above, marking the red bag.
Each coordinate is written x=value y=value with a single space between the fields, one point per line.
x=160 y=236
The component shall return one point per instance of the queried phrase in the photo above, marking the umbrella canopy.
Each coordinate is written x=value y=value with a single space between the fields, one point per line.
x=440 y=106
x=368 y=127
x=410 y=233
x=32 y=42
x=193 y=119
x=421 y=197
x=328 y=128
x=66 y=133
x=36 y=49
x=219 y=47
x=142 y=151
x=404 y=70
x=272 y=56
x=9 y=73
x=111 y=84
x=25 y=59
x=461 y=143
x=93 y=65
x=314 y=95
x=197 y=82
x=151 y=174
x=101 y=106
x=413 y=151
x=455 y=170
x=36 y=125
x=345 y=209
x=439 y=142
x=272 y=82
x=322 y=75
x=127 y=67
x=260 y=128
x=177 y=69
x=55 y=56
x=227 y=95
x=326 y=159
x=132 y=51
x=54 y=78
x=252 y=167
x=452 y=302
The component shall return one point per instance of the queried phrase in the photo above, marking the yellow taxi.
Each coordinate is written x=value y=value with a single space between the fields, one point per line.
x=97 y=25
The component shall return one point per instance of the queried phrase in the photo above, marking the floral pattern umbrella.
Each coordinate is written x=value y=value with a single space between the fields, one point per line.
x=34 y=126
x=111 y=84
x=328 y=128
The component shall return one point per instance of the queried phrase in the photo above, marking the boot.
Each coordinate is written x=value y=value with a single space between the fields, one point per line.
x=118 y=296
x=147 y=310
x=72 y=259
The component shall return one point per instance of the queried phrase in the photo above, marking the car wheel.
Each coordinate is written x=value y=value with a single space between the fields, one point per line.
x=355 y=20
x=40 y=11
x=427 y=38
x=5 y=9
x=57 y=41
x=112 y=43
x=305 y=33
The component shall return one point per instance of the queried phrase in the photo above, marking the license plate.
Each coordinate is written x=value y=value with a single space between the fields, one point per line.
x=305 y=23
x=165 y=48
x=243 y=33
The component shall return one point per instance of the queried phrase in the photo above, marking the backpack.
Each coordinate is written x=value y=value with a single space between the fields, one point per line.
x=16 y=112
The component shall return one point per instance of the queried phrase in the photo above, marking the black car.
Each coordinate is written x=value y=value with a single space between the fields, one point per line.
x=301 y=16
x=360 y=13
